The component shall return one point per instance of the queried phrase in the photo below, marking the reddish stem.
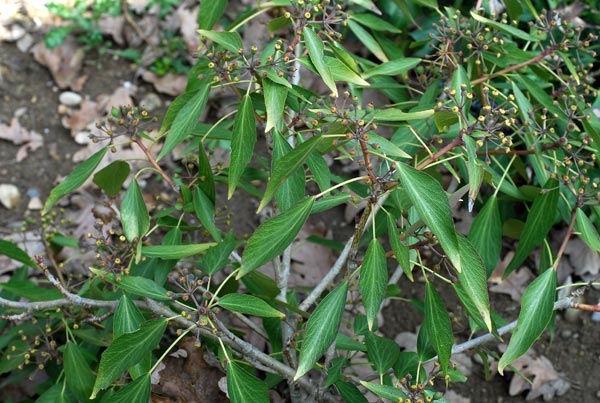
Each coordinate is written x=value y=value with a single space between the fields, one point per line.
x=154 y=163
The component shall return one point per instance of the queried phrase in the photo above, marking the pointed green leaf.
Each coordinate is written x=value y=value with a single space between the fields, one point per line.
x=175 y=251
x=174 y=109
x=538 y=224
x=327 y=202
x=586 y=230
x=373 y=280
x=249 y=304
x=275 y=95
x=136 y=391
x=512 y=31
x=126 y=351
x=134 y=214
x=229 y=40
x=128 y=317
x=274 y=235
x=341 y=72
x=470 y=307
x=217 y=257
x=321 y=329
x=431 y=203
x=292 y=189
x=537 y=306
x=367 y=39
x=78 y=374
x=396 y=115
x=387 y=147
x=397 y=67
x=385 y=391
x=75 y=179
x=375 y=23
x=316 y=50
x=205 y=174
x=111 y=178
x=382 y=352
x=205 y=211
x=141 y=286
x=210 y=12
x=186 y=118
x=486 y=234
x=474 y=279
x=245 y=387
x=286 y=166
x=438 y=326
x=401 y=252
x=11 y=250
x=320 y=171
x=242 y=143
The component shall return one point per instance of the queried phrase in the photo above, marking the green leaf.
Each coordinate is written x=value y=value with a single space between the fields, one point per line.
x=375 y=23
x=341 y=72
x=397 y=67
x=367 y=39
x=444 y=119
x=136 y=391
x=186 y=118
x=11 y=250
x=286 y=166
x=205 y=211
x=292 y=189
x=538 y=224
x=586 y=230
x=537 y=306
x=245 y=387
x=373 y=280
x=396 y=115
x=134 y=214
x=217 y=257
x=75 y=179
x=128 y=317
x=126 y=351
x=385 y=391
x=327 y=202
x=438 y=326
x=382 y=352
x=210 y=12
x=274 y=235
x=431 y=203
x=386 y=147
x=401 y=252
x=175 y=251
x=512 y=31
x=205 y=174
x=141 y=286
x=474 y=279
x=426 y=3
x=78 y=374
x=229 y=40
x=321 y=329
x=275 y=95
x=242 y=142
x=486 y=234
x=249 y=304
x=316 y=50
x=319 y=169
x=174 y=109
x=111 y=178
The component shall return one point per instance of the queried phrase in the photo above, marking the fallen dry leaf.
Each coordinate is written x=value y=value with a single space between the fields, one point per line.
x=170 y=84
x=188 y=21
x=18 y=135
x=64 y=62
x=113 y=25
x=514 y=285
x=310 y=261
x=585 y=261
x=546 y=381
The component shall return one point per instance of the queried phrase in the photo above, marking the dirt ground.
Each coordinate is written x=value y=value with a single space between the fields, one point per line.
x=574 y=351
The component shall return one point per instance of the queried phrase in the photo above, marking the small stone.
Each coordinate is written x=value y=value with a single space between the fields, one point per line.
x=82 y=138
x=151 y=102
x=566 y=333
x=35 y=204
x=70 y=98
x=9 y=195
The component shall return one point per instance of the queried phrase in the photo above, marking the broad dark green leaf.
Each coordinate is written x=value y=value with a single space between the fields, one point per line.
x=136 y=391
x=58 y=393
x=11 y=250
x=128 y=317
x=474 y=279
x=586 y=230
x=205 y=211
x=245 y=387
x=134 y=214
x=228 y=40
x=75 y=179
x=373 y=280
x=78 y=374
x=242 y=143
x=175 y=251
x=397 y=67
x=426 y=3
x=292 y=189
x=386 y=147
x=341 y=72
x=186 y=118
x=431 y=203
x=382 y=352
x=274 y=235
x=210 y=12
x=322 y=328
x=325 y=203
x=486 y=234
x=401 y=252
x=316 y=52
x=275 y=95
x=174 y=109
x=141 y=286
x=375 y=23
x=217 y=257
x=537 y=306
x=367 y=39
x=319 y=169
x=385 y=391
x=286 y=166
x=249 y=304
x=396 y=115
x=126 y=351
x=205 y=174
x=472 y=312
x=438 y=326
x=539 y=221
x=111 y=178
